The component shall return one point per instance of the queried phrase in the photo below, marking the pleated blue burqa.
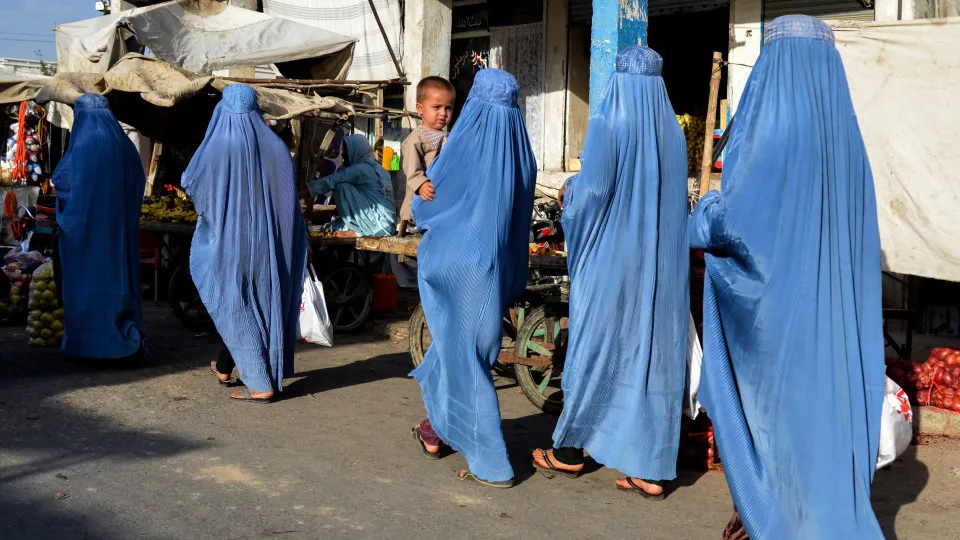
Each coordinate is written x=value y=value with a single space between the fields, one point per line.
x=248 y=255
x=793 y=368
x=625 y=220
x=100 y=185
x=473 y=263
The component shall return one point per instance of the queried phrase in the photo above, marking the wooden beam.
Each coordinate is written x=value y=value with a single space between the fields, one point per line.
x=706 y=164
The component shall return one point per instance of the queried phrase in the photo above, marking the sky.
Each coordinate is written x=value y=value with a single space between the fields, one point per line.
x=27 y=25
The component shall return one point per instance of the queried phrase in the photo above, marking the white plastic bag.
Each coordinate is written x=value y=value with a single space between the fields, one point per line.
x=691 y=406
x=314 y=325
x=896 y=424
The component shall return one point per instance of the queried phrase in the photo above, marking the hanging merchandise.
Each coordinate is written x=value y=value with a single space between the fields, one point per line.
x=21 y=161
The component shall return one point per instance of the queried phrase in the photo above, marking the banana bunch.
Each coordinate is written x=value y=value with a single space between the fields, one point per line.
x=318 y=235
x=693 y=130
x=168 y=209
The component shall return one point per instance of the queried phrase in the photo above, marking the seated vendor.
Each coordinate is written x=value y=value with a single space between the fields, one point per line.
x=362 y=192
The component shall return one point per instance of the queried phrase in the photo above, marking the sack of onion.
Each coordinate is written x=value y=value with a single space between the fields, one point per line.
x=934 y=383
x=45 y=320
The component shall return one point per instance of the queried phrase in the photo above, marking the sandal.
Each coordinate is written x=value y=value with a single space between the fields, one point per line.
x=465 y=474
x=551 y=471
x=634 y=488
x=245 y=396
x=228 y=383
x=423 y=447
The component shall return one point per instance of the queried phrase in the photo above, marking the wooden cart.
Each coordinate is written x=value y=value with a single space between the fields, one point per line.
x=534 y=330
x=346 y=280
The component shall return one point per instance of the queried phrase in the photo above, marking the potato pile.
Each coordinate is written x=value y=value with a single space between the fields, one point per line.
x=45 y=321
x=693 y=131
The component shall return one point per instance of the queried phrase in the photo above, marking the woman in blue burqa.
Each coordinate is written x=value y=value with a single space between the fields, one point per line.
x=625 y=221
x=249 y=251
x=362 y=192
x=100 y=184
x=793 y=364
x=473 y=263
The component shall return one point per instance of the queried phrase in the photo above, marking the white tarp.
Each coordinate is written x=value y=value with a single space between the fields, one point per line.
x=200 y=36
x=371 y=58
x=905 y=79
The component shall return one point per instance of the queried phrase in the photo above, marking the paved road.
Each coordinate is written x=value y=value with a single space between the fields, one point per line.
x=158 y=451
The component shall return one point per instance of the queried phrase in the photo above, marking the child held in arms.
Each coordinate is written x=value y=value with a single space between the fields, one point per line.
x=435 y=97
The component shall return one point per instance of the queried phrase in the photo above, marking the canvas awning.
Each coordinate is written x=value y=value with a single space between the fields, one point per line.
x=15 y=90
x=203 y=36
x=163 y=102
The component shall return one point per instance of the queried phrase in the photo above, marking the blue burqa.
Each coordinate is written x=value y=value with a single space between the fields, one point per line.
x=248 y=255
x=625 y=220
x=100 y=184
x=473 y=262
x=362 y=191
x=793 y=369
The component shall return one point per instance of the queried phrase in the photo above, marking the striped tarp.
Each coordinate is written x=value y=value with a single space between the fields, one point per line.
x=371 y=57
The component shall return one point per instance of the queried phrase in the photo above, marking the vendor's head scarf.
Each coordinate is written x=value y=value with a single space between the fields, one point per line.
x=793 y=369
x=249 y=249
x=359 y=150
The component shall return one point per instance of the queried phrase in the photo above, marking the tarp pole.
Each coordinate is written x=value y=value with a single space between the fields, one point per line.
x=386 y=40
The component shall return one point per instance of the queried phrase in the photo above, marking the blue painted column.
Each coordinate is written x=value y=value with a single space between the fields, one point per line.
x=617 y=24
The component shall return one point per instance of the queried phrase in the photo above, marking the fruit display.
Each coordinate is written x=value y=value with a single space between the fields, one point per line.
x=934 y=383
x=319 y=234
x=168 y=209
x=693 y=130
x=545 y=251
x=45 y=321
x=17 y=266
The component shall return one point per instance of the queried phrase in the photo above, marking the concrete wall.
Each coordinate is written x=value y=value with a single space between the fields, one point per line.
x=555 y=86
x=426 y=43
x=746 y=37
x=578 y=92
x=617 y=24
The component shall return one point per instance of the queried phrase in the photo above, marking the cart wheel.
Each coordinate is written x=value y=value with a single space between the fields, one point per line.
x=543 y=335
x=420 y=339
x=349 y=296
x=185 y=302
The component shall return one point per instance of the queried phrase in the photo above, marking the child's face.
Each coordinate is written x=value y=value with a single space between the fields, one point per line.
x=436 y=109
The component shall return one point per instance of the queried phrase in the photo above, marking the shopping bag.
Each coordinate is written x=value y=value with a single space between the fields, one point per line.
x=314 y=324
x=691 y=406
x=896 y=424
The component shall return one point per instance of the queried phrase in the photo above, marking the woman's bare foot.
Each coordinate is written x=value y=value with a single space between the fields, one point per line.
x=238 y=394
x=221 y=376
x=553 y=463
x=432 y=448
x=649 y=489
x=345 y=234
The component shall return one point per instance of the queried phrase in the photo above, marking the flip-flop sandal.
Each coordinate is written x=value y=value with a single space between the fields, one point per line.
x=465 y=474
x=640 y=491
x=550 y=471
x=423 y=447
x=245 y=393
x=228 y=383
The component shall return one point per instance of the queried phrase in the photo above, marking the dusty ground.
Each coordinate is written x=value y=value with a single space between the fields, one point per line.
x=157 y=451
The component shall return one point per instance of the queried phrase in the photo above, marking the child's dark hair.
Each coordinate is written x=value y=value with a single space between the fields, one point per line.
x=433 y=83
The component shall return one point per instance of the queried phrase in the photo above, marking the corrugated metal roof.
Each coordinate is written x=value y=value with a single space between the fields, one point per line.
x=581 y=11
x=824 y=9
